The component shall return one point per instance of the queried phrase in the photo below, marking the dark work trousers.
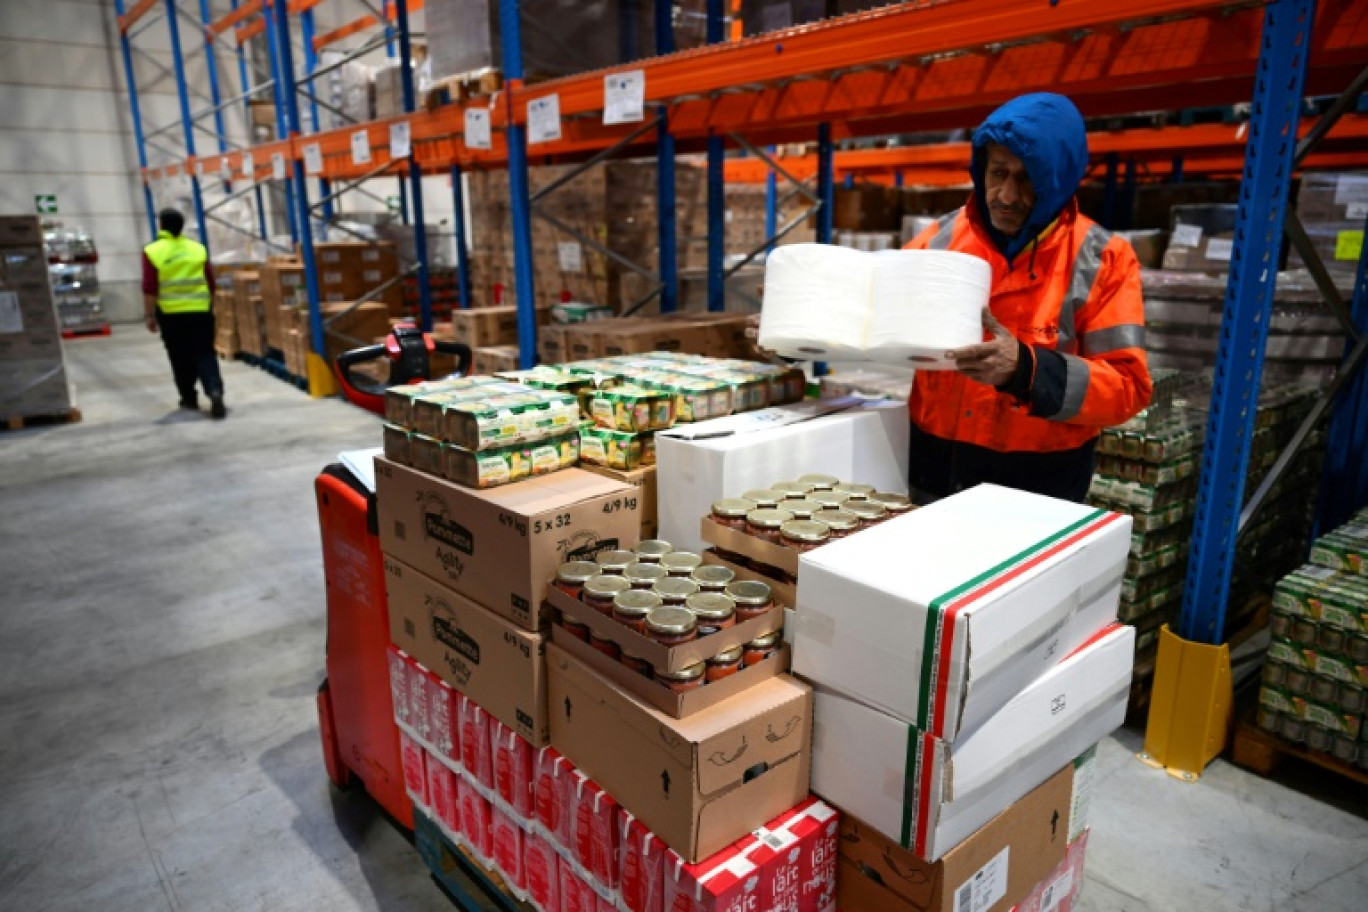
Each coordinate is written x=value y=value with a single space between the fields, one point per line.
x=189 y=341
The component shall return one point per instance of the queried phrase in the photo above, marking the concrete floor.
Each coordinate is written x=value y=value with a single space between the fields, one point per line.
x=161 y=640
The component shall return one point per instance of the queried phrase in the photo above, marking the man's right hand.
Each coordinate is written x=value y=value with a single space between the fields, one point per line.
x=152 y=324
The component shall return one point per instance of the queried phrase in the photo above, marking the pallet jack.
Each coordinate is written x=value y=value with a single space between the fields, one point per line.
x=355 y=712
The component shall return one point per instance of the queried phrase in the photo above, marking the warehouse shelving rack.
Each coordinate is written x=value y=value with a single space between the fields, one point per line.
x=923 y=65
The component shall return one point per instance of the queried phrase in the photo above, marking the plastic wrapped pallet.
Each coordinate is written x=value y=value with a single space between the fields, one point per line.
x=33 y=378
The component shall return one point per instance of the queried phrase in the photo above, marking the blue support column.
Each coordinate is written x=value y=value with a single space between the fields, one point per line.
x=826 y=195
x=771 y=203
x=1344 y=483
x=666 y=211
x=306 y=27
x=1281 y=72
x=458 y=223
x=137 y=126
x=281 y=55
x=403 y=201
x=246 y=82
x=520 y=198
x=898 y=178
x=187 y=124
x=1177 y=175
x=717 y=199
x=300 y=197
x=389 y=30
x=211 y=62
x=848 y=181
x=415 y=173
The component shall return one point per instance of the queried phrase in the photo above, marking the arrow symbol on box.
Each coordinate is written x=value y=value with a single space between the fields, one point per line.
x=665 y=780
x=567 y=707
x=1054 y=824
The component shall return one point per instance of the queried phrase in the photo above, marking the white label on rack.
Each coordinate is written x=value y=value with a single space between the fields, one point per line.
x=11 y=317
x=248 y=166
x=278 y=166
x=477 y=134
x=1219 y=249
x=360 y=141
x=543 y=119
x=199 y=169
x=571 y=256
x=1187 y=235
x=401 y=143
x=1356 y=211
x=225 y=170
x=624 y=97
x=313 y=158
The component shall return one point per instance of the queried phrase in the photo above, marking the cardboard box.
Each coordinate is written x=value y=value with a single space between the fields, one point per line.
x=704 y=462
x=676 y=705
x=501 y=546
x=941 y=616
x=1059 y=891
x=644 y=480
x=492 y=662
x=20 y=231
x=993 y=870
x=686 y=780
x=929 y=795
x=671 y=658
x=496 y=359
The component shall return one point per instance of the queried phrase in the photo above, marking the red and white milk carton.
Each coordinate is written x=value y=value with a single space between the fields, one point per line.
x=1059 y=891
x=477 y=752
x=796 y=856
x=541 y=863
x=596 y=835
x=642 y=858
x=727 y=882
x=512 y=771
x=553 y=795
x=476 y=821
x=604 y=905
x=412 y=756
x=575 y=893
x=444 y=713
x=420 y=707
x=399 y=676
x=444 y=800
x=506 y=837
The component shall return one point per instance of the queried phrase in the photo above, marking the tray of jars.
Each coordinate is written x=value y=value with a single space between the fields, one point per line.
x=674 y=632
x=775 y=526
x=784 y=588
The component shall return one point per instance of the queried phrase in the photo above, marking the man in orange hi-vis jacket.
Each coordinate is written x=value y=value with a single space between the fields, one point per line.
x=1065 y=319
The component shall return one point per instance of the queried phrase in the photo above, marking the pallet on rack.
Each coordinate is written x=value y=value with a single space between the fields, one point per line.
x=464 y=86
x=19 y=422
x=1261 y=752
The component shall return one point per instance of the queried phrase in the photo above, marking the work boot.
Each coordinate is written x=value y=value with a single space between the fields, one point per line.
x=191 y=404
x=216 y=407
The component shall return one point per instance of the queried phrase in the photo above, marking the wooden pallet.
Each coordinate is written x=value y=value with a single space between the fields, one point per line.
x=18 y=423
x=1260 y=752
x=464 y=86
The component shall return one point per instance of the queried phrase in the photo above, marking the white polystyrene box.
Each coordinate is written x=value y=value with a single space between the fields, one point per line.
x=941 y=616
x=928 y=794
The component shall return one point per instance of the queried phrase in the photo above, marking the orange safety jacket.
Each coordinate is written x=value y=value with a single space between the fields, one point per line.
x=1073 y=299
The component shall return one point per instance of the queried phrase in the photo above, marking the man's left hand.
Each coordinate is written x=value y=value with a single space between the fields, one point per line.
x=993 y=362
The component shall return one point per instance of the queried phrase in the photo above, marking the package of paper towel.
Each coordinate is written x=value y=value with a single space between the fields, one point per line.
x=898 y=306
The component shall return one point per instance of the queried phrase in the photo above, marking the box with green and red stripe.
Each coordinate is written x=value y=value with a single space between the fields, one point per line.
x=940 y=617
x=929 y=795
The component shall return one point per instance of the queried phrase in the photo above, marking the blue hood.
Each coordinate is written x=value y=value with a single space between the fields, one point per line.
x=1046 y=132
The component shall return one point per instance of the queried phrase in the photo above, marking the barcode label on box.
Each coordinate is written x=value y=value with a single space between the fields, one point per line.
x=1220 y=249
x=987 y=886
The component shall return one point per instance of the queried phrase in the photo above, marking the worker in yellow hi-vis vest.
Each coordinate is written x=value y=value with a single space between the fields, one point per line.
x=178 y=289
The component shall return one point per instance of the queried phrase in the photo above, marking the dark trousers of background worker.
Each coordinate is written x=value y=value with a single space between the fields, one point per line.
x=189 y=341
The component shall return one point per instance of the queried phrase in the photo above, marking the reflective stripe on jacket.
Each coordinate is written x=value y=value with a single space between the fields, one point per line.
x=1074 y=298
x=182 y=286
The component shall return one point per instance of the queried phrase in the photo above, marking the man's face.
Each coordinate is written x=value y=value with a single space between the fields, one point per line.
x=1008 y=188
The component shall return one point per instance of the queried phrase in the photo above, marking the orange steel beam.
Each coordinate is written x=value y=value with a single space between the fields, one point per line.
x=241 y=14
x=139 y=9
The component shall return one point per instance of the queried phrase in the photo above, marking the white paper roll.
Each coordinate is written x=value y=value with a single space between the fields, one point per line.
x=894 y=306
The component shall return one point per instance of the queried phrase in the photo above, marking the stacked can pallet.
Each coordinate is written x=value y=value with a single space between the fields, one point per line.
x=1315 y=679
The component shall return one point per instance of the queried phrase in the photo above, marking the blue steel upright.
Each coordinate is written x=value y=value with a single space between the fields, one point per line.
x=306 y=30
x=415 y=173
x=299 y=199
x=1280 y=74
x=247 y=81
x=771 y=203
x=826 y=196
x=717 y=200
x=137 y=125
x=281 y=55
x=1344 y=484
x=665 y=174
x=458 y=223
x=510 y=33
x=211 y=62
x=187 y=122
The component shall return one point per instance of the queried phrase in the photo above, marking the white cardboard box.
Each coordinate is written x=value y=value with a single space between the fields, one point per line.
x=928 y=795
x=940 y=616
x=697 y=464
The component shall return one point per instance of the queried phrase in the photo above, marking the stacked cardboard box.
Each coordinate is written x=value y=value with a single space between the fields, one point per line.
x=1201 y=239
x=349 y=269
x=248 y=309
x=1315 y=687
x=963 y=656
x=1333 y=209
x=33 y=377
x=713 y=335
x=282 y=287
